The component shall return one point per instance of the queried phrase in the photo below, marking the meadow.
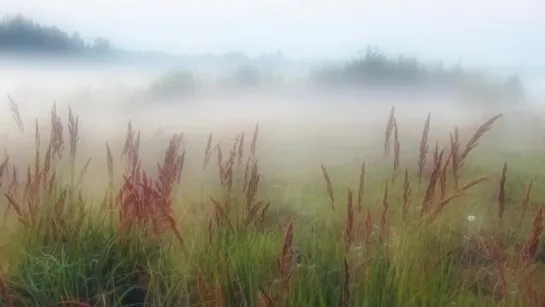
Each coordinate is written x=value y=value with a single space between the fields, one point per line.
x=397 y=215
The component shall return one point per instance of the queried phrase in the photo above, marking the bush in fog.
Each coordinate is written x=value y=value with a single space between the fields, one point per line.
x=375 y=69
x=174 y=84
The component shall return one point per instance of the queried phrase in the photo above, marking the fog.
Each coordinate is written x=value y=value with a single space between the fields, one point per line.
x=298 y=131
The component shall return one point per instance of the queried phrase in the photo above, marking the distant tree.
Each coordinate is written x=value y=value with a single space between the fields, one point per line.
x=22 y=35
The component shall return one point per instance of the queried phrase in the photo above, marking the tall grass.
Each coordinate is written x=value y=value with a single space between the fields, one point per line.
x=410 y=246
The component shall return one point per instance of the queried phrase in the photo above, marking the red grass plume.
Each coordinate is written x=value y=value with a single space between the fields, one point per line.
x=146 y=202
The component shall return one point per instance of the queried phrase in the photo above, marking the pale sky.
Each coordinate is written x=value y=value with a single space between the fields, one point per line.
x=508 y=32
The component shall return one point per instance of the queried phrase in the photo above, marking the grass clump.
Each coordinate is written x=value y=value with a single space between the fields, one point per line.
x=398 y=238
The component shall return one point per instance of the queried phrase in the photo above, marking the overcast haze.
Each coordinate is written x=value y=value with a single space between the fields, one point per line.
x=499 y=32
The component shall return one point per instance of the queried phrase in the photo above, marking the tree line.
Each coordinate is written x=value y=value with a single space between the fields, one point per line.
x=22 y=35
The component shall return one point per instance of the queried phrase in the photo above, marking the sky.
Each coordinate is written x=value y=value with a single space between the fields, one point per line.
x=488 y=32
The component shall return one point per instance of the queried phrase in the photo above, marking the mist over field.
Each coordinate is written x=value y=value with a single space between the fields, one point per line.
x=299 y=128
x=106 y=96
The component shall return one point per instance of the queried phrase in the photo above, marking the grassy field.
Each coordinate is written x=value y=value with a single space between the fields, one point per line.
x=448 y=226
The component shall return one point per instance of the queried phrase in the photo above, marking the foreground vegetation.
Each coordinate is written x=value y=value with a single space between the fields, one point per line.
x=400 y=237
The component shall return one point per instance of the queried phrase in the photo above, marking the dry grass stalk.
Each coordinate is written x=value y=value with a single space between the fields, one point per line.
x=253 y=145
x=110 y=168
x=285 y=260
x=3 y=168
x=73 y=132
x=526 y=201
x=407 y=191
x=6 y=295
x=474 y=140
x=255 y=211
x=361 y=186
x=207 y=152
x=368 y=227
x=16 y=114
x=345 y=287
x=349 y=224
x=225 y=175
x=501 y=286
x=209 y=293
x=131 y=148
x=221 y=215
x=430 y=191
x=385 y=211
x=533 y=297
x=454 y=155
x=329 y=186
x=397 y=152
x=57 y=140
x=263 y=299
x=501 y=195
x=247 y=173
x=14 y=185
x=532 y=243
x=79 y=181
x=443 y=178
x=424 y=148
x=458 y=157
x=240 y=149
x=473 y=183
x=388 y=132
x=226 y=168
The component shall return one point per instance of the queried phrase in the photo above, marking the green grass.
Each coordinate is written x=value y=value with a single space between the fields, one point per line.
x=148 y=243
